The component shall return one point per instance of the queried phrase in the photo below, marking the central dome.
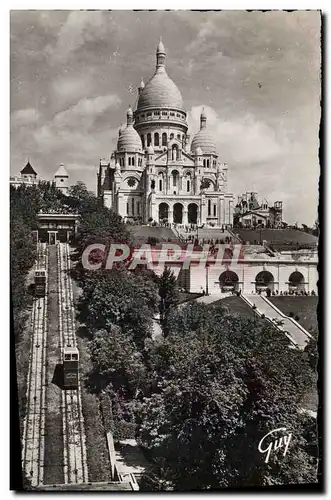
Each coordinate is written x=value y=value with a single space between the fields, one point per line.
x=160 y=91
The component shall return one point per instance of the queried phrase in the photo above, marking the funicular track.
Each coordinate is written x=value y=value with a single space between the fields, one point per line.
x=74 y=441
x=34 y=422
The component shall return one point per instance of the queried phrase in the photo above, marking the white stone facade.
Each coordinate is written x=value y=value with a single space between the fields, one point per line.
x=282 y=276
x=155 y=173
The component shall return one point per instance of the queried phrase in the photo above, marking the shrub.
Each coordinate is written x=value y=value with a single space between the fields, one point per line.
x=297 y=318
x=291 y=314
x=262 y=316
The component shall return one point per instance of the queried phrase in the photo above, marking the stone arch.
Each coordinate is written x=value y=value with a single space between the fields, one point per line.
x=178 y=213
x=229 y=281
x=156 y=139
x=264 y=280
x=296 y=282
x=192 y=213
x=163 y=211
x=208 y=184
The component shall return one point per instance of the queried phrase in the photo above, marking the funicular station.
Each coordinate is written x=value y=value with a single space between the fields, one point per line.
x=55 y=226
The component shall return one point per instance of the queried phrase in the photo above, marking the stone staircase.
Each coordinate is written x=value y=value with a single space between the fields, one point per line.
x=298 y=336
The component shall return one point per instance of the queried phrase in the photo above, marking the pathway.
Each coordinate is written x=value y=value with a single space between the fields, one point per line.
x=297 y=333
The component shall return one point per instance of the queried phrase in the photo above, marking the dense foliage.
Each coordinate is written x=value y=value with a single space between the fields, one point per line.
x=222 y=384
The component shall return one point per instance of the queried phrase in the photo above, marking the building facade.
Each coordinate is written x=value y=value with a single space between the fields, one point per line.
x=249 y=212
x=156 y=173
x=29 y=177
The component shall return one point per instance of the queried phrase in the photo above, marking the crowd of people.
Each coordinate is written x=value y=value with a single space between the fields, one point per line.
x=285 y=293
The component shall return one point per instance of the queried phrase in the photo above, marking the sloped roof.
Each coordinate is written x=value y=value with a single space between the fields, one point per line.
x=61 y=172
x=28 y=169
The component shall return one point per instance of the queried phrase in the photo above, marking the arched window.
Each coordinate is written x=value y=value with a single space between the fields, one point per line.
x=209 y=207
x=132 y=161
x=138 y=208
x=171 y=136
x=127 y=209
x=129 y=161
x=149 y=139
x=160 y=185
x=156 y=139
x=132 y=206
x=207 y=163
x=188 y=186
x=214 y=210
x=164 y=139
x=178 y=137
x=174 y=178
x=204 y=162
x=142 y=141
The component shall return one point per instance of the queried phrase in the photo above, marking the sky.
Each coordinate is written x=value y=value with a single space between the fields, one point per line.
x=257 y=74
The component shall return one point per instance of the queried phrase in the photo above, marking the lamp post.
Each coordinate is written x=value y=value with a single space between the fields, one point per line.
x=207 y=291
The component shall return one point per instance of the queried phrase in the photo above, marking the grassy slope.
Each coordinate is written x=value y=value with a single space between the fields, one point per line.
x=22 y=352
x=304 y=307
x=236 y=306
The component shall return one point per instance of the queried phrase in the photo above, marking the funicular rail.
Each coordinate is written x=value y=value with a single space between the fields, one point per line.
x=34 y=422
x=74 y=441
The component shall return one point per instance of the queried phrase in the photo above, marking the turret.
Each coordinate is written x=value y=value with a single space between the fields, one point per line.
x=61 y=178
x=141 y=87
x=160 y=56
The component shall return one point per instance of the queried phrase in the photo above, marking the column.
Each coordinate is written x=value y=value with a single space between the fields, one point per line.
x=185 y=216
x=171 y=215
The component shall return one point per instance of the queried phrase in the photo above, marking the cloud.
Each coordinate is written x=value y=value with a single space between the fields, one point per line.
x=23 y=117
x=243 y=139
x=85 y=111
x=73 y=134
x=79 y=28
x=68 y=88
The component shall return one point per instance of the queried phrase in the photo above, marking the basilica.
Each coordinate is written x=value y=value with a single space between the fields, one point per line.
x=157 y=173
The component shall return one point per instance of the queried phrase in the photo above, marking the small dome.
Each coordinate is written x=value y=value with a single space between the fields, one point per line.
x=204 y=140
x=129 y=112
x=129 y=140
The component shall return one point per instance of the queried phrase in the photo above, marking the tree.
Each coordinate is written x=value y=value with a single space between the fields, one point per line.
x=24 y=205
x=222 y=383
x=116 y=361
x=169 y=295
x=119 y=297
